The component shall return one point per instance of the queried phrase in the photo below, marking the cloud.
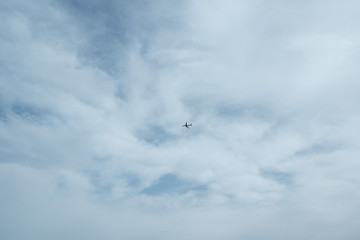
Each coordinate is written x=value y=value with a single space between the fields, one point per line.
x=170 y=183
x=93 y=97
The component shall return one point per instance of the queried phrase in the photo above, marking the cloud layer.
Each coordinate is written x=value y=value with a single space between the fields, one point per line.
x=93 y=96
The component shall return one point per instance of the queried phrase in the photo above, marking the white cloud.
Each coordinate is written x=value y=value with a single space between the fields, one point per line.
x=93 y=97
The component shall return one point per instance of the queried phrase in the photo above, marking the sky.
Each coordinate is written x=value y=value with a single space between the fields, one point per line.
x=93 y=96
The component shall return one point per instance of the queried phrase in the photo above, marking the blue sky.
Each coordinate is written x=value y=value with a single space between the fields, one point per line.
x=93 y=95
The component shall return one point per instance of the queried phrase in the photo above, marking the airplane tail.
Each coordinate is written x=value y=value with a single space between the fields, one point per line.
x=190 y=124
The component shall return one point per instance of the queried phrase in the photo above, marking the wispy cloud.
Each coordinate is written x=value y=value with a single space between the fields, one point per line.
x=93 y=96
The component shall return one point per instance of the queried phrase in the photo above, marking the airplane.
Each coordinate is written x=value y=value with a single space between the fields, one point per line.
x=187 y=125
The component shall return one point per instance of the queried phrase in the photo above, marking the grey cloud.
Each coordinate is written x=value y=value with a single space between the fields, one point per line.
x=105 y=30
x=155 y=134
x=93 y=95
x=110 y=29
x=31 y=114
x=278 y=176
x=320 y=148
x=172 y=184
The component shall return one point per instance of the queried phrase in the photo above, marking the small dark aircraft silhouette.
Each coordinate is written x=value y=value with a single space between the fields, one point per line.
x=187 y=125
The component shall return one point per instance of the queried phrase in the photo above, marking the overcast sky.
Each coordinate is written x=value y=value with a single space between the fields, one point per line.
x=93 y=96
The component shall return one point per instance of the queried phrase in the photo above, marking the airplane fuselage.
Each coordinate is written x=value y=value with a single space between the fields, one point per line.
x=187 y=125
